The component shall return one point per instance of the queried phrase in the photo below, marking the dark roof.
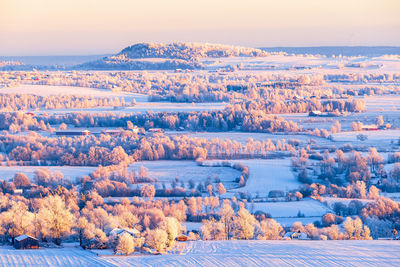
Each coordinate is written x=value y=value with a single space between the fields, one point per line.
x=22 y=237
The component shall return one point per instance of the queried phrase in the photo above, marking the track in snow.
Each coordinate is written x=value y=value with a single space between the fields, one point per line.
x=224 y=253
x=275 y=253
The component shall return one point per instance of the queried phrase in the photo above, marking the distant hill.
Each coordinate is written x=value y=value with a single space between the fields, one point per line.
x=158 y=56
x=188 y=51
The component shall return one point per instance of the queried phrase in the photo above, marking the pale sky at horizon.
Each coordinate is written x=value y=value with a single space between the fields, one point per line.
x=72 y=27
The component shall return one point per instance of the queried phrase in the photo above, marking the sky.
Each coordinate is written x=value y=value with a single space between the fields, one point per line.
x=82 y=27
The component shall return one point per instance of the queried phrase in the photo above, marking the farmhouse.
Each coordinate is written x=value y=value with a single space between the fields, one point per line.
x=297 y=235
x=117 y=232
x=182 y=238
x=155 y=130
x=18 y=191
x=73 y=133
x=314 y=113
x=26 y=242
x=370 y=127
x=112 y=132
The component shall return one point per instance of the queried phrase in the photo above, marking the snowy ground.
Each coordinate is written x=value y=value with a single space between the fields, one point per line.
x=143 y=108
x=310 y=64
x=142 y=104
x=387 y=106
x=330 y=201
x=309 y=207
x=224 y=253
x=46 y=90
x=242 y=137
x=394 y=196
x=70 y=172
x=167 y=170
x=10 y=257
x=384 y=102
x=267 y=175
x=381 y=138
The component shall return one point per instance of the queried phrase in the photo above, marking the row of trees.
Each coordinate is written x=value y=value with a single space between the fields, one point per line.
x=13 y=102
x=128 y=147
x=243 y=225
x=226 y=120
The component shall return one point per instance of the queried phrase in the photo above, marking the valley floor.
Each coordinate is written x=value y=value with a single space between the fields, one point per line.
x=224 y=253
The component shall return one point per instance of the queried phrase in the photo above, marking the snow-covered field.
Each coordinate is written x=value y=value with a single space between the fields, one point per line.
x=71 y=256
x=330 y=201
x=167 y=170
x=387 y=106
x=46 y=90
x=142 y=104
x=386 y=102
x=394 y=196
x=242 y=137
x=310 y=64
x=308 y=207
x=70 y=172
x=144 y=107
x=373 y=137
x=224 y=253
x=267 y=175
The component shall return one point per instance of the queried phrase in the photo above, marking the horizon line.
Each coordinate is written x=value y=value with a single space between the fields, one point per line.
x=257 y=47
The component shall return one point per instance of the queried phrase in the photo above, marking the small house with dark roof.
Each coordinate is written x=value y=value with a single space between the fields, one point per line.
x=26 y=242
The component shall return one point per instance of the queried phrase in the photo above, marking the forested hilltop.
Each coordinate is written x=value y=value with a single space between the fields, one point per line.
x=160 y=56
x=188 y=51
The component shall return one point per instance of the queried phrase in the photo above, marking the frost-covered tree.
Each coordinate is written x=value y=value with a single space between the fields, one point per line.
x=244 y=224
x=148 y=191
x=379 y=120
x=227 y=216
x=270 y=230
x=297 y=226
x=379 y=228
x=221 y=189
x=192 y=205
x=354 y=229
x=210 y=189
x=373 y=192
x=21 y=180
x=125 y=245
x=17 y=220
x=55 y=218
x=312 y=231
x=62 y=126
x=157 y=239
x=374 y=159
x=173 y=229
x=212 y=230
x=81 y=225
